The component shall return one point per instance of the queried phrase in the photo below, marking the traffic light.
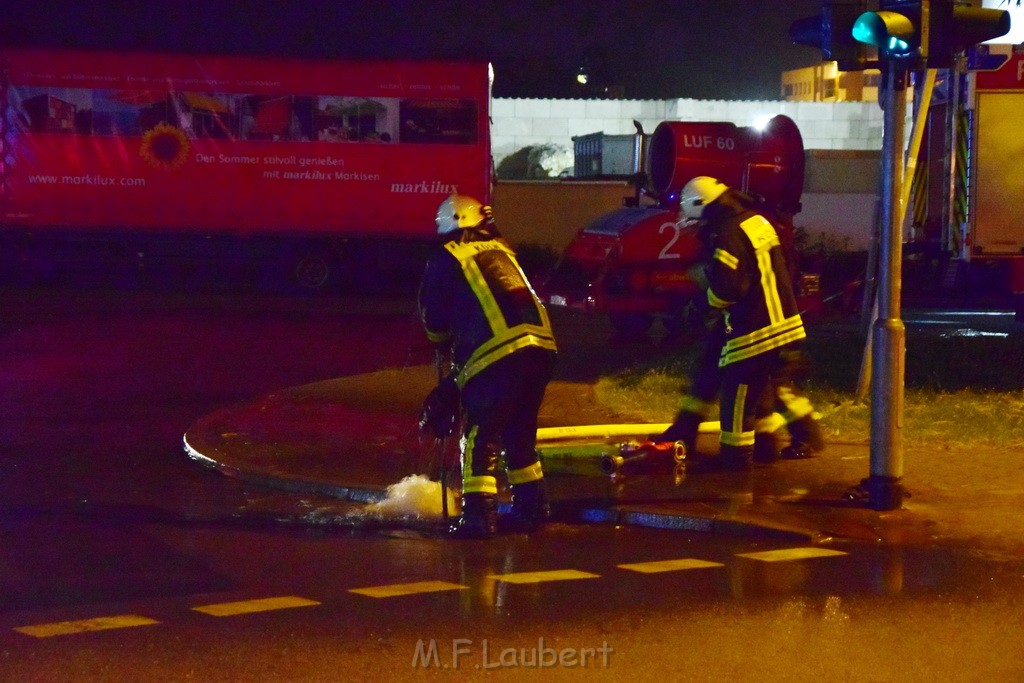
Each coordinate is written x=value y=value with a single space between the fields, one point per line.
x=953 y=28
x=831 y=32
x=919 y=33
x=896 y=30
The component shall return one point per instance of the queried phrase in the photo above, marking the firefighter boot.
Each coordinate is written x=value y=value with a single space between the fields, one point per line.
x=806 y=439
x=735 y=457
x=530 y=508
x=683 y=429
x=479 y=517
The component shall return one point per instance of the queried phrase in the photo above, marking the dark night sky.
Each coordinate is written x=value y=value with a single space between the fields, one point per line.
x=708 y=49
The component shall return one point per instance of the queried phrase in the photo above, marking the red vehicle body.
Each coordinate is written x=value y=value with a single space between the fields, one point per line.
x=299 y=156
x=636 y=262
x=966 y=210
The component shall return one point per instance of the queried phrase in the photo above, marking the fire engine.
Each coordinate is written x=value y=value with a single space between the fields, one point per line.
x=965 y=213
x=636 y=262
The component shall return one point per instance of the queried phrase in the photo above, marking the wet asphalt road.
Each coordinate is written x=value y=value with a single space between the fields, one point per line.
x=103 y=516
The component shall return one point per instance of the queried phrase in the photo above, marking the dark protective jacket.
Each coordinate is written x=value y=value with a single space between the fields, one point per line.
x=475 y=298
x=749 y=279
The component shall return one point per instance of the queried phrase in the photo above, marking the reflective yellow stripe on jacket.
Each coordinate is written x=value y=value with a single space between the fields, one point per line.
x=780 y=330
x=504 y=340
x=764 y=339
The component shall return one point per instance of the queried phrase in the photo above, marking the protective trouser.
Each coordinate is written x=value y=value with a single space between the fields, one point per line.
x=795 y=409
x=745 y=383
x=780 y=403
x=699 y=400
x=501 y=405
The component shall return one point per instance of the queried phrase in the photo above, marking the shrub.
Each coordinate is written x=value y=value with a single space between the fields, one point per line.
x=534 y=162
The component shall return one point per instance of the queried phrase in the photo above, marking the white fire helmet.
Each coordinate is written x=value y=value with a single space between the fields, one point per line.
x=697 y=194
x=459 y=211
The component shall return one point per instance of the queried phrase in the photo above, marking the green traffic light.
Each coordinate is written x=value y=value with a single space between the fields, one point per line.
x=898 y=46
x=890 y=32
x=867 y=29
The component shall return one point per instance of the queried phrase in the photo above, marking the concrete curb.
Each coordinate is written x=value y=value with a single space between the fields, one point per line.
x=567 y=512
x=681 y=521
x=291 y=484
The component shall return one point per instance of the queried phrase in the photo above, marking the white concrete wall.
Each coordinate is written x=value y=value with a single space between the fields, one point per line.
x=843 y=215
x=847 y=219
x=518 y=123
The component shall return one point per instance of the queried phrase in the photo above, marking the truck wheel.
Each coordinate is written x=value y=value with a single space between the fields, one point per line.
x=630 y=324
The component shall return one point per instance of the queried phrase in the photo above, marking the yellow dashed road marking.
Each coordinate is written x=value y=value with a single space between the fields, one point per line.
x=668 y=565
x=540 y=577
x=788 y=554
x=64 y=628
x=230 y=609
x=398 y=589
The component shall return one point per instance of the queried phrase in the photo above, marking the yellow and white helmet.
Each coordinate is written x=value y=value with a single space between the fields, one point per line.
x=459 y=212
x=697 y=194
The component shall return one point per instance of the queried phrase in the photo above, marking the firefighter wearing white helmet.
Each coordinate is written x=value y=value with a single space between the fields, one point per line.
x=476 y=303
x=748 y=280
x=459 y=212
x=697 y=194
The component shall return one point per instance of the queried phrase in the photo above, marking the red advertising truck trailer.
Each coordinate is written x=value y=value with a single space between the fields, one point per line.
x=312 y=167
x=635 y=263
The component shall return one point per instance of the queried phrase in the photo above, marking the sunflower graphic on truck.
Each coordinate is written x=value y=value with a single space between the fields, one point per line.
x=164 y=146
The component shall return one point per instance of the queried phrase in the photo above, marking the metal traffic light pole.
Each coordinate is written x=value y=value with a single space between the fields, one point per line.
x=888 y=354
x=919 y=33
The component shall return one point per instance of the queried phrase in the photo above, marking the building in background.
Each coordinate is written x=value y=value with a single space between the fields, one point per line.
x=825 y=83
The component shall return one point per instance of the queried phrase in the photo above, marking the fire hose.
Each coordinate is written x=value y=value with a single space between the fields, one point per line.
x=545 y=434
x=611 y=449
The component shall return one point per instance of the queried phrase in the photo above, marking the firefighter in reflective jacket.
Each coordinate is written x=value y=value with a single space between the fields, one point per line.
x=782 y=405
x=475 y=301
x=749 y=281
